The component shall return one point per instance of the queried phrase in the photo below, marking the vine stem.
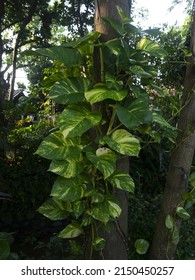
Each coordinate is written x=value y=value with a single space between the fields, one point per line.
x=111 y=121
x=102 y=66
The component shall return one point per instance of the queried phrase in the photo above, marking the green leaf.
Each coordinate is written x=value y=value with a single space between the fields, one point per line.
x=79 y=208
x=67 y=169
x=56 y=147
x=114 y=46
x=104 y=160
x=160 y=120
x=122 y=181
x=141 y=246
x=69 y=56
x=124 y=17
x=169 y=222
x=86 y=221
x=139 y=92
x=4 y=250
x=182 y=213
x=90 y=37
x=114 y=209
x=77 y=119
x=97 y=197
x=115 y=25
x=5 y=236
x=71 y=231
x=131 y=29
x=175 y=236
x=69 y=90
x=154 y=32
x=68 y=189
x=123 y=142
x=136 y=114
x=55 y=209
x=101 y=212
x=151 y=47
x=99 y=243
x=140 y=72
x=156 y=88
x=101 y=92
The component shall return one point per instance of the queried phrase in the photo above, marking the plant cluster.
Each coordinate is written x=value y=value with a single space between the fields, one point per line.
x=88 y=142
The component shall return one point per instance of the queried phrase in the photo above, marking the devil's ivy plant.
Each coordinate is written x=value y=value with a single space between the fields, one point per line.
x=86 y=165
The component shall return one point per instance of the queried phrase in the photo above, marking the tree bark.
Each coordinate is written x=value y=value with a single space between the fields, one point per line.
x=180 y=164
x=116 y=239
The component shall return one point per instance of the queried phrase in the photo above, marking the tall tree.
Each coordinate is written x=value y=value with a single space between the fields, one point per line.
x=16 y=31
x=166 y=234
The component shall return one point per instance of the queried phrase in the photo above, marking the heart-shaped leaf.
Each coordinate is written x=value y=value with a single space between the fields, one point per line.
x=104 y=160
x=67 y=169
x=55 y=209
x=136 y=114
x=68 y=189
x=182 y=213
x=123 y=142
x=122 y=181
x=56 y=147
x=101 y=92
x=69 y=90
x=141 y=246
x=71 y=231
x=77 y=119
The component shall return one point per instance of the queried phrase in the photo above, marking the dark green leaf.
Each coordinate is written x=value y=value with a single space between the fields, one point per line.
x=101 y=212
x=122 y=181
x=175 y=236
x=99 y=243
x=138 y=92
x=160 y=120
x=123 y=142
x=157 y=89
x=77 y=119
x=136 y=114
x=71 y=231
x=4 y=250
x=140 y=72
x=68 y=189
x=55 y=209
x=97 y=197
x=79 y=208
x=114 y=46
x=104 y=160
x=131 y=29
x=69 y=90
x=90 y=37
x=154 y=32
x=141 y=246
x=5 y=236
x=69 y=56
x=115 y=25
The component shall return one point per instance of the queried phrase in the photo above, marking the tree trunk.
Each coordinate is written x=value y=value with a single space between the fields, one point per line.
x=13 y=77
x=180 y=164
x=116 y=244
x=23 y=26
